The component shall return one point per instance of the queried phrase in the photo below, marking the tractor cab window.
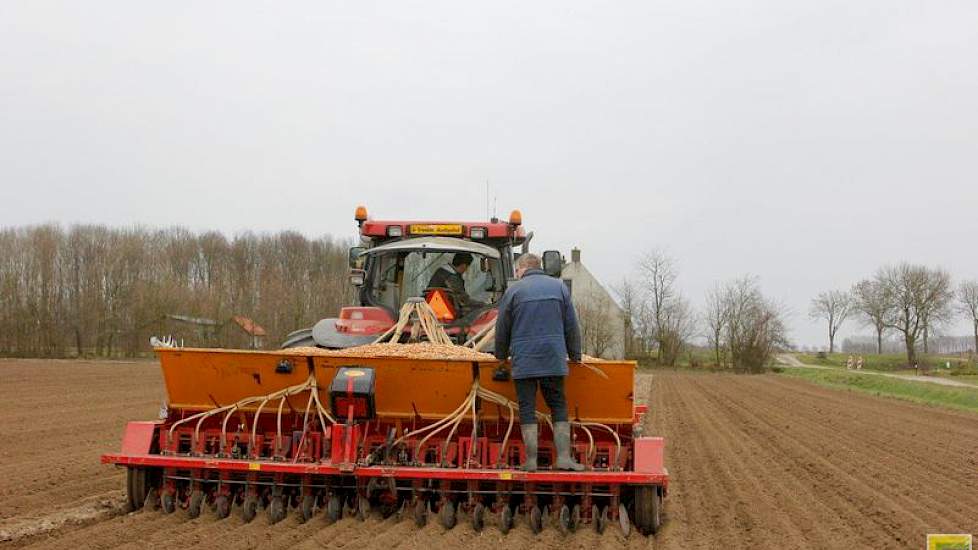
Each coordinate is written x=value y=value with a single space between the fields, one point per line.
x=395 y=277
x=386 y=280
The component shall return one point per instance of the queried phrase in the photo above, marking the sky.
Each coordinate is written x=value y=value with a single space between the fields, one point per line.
x=807 y=143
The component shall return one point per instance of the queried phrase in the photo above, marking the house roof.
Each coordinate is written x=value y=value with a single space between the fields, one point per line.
x=193 y=320
x=248 y=325
x=576 y=271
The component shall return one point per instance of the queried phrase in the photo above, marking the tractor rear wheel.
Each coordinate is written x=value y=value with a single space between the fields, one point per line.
x=648 y=510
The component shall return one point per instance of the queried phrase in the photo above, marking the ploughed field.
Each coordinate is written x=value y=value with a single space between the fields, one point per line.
x=756 y=462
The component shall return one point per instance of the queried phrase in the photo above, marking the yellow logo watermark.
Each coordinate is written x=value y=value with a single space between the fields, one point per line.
x=949 y=542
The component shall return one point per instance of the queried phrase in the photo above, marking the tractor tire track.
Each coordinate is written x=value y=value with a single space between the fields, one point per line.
x=924 y=495
x=820 y=449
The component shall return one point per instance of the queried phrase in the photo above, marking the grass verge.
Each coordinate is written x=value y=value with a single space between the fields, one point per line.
x=965 y=399
x=888 y=362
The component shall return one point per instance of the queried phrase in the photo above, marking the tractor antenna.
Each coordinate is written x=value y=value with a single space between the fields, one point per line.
x=487 y=198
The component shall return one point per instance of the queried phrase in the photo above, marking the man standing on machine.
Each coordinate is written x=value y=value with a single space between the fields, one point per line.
x=537 y=328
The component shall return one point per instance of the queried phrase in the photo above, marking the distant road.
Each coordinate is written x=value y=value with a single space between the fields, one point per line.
x=790 y=361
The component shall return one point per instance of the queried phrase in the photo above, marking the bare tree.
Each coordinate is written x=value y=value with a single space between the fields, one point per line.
x=665 y=310
x=677 y=328
x=716 y=316
x=920 y=296
x=755 y=326
x=833 y=306
x=598 y=330
x=92 y=290
x=630 y=300
x=940 y=312
x=872 y=301
x=658 y=272
x=968 y=304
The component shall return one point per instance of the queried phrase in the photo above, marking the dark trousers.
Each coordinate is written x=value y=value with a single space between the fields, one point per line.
x=552 y=388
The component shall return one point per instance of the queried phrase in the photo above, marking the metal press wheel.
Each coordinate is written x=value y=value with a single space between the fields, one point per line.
x=334 y=509
x=506 y=519
x=196 y=501
x=363 y=509
x=249 y=508
x=536 y=520
x=306 y=507
x=596 y=520
x=168 y=502
x=420 y=513
x=478 y=516
x=276 y=509
x=222 y=506
x=564 y=519
x=623 y=521
x=446 y=514
x=135 y=487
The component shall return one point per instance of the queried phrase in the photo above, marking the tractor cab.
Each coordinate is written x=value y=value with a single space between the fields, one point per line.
x=398 y=260
x=395 y=272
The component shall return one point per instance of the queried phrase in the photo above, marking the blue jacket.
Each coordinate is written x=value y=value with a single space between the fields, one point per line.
x=537 y=326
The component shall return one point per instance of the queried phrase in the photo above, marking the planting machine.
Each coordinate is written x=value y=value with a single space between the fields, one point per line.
x=425 y=430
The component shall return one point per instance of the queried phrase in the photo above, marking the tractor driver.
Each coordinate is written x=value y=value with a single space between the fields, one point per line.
x=450 y=277
x=537 y=329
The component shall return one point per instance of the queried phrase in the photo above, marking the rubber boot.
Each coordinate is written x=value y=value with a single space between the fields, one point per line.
x=530 y=444
x=562 y=439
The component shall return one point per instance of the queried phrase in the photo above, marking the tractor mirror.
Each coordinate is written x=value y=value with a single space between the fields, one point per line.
x=357 y=276
x=552 y=263
x=355 y=261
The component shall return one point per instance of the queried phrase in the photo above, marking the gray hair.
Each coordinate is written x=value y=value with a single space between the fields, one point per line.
x=529 y=261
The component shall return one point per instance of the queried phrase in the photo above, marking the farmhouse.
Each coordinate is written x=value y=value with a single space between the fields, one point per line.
x=601 y=318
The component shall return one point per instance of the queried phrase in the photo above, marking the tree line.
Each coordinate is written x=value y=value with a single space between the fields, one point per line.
x=911 y=301
x=743 y=327
x=90 y=290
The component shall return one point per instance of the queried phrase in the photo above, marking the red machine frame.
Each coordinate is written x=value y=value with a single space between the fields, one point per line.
x=326 y=468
